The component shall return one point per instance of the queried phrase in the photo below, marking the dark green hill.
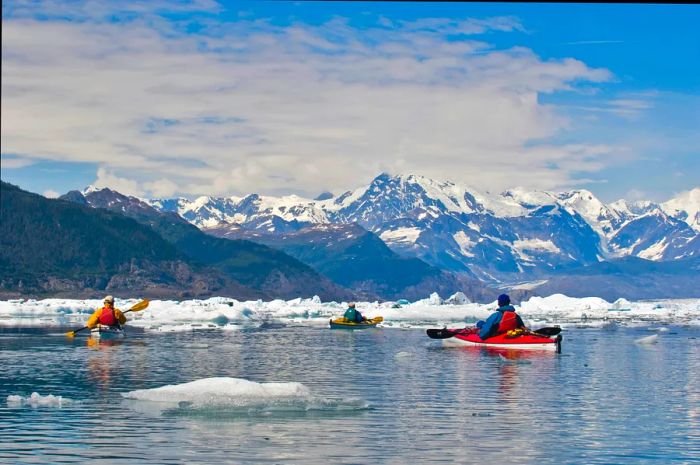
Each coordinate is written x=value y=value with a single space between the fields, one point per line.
x=59 y=248
x=255 y=265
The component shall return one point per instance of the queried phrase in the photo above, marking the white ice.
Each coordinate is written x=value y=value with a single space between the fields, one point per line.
x=235 y=394
x=653 y=339
x=37 y=400
x=220 y=313
x=223 y=390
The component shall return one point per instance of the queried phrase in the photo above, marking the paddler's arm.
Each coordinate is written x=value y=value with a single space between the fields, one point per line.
x=490 y=326
x=119 y=316
x=94 y=318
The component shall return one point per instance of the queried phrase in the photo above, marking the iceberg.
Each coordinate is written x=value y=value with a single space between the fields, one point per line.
x=37 y=400
x=230 y=315
x=223 y=395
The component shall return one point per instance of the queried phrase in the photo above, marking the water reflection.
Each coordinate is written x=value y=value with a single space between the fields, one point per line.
x=427 y=404
x=102 y=359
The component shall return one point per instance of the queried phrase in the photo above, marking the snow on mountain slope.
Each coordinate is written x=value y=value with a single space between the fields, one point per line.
x=602 y=219
x=458 y=228
x=686 y=207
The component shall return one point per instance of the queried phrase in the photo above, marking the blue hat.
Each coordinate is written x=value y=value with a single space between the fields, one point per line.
x=503 y=300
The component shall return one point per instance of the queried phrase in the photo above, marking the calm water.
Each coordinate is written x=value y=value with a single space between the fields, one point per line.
x=604 y=400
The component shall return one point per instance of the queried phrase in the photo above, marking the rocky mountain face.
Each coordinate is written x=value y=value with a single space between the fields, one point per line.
x=498 y=238
x=357 y=259
x=632 y=278
x=269 y=271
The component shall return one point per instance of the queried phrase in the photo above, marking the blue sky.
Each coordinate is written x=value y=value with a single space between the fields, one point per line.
x=197 y=97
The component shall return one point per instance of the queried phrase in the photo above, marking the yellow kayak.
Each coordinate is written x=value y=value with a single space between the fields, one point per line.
x=342 y=323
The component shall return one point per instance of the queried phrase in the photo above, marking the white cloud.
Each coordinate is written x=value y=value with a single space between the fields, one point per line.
x=636 y=194
x=14 y=163
x=51 y=194
x=105 y=178
x=161 y=188
x=251 y=107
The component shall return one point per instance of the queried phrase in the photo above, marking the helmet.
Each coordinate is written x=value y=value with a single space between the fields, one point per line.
x=109 y=299
x=503 y=300
x=351 y=304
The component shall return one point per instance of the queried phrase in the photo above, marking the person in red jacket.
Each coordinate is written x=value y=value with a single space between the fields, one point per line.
x=107 y=315
x=502 y=321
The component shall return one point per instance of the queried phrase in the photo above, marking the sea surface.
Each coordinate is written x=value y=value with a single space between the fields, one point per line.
x=378 y=396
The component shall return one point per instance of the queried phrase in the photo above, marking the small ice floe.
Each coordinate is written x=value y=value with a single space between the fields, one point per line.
x=196 y=346
x=37 y=400
x=653 y=339
x=404 y=356
x=235 y=396
x=660 y=329
x=184 y=327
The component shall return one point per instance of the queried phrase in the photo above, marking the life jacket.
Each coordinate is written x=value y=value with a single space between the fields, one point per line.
x=353 y=315
x=509 y=321
x=107 y=317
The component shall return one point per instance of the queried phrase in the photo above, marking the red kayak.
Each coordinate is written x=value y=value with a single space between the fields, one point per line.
x=470 y=337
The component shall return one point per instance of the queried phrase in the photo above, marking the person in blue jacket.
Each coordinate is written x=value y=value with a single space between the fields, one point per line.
x=503 y=320
x=351 y=314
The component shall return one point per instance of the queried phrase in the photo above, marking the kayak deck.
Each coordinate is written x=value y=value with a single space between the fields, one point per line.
x=524 y=341
x=342 y=323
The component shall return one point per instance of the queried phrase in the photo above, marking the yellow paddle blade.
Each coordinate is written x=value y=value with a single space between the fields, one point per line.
x=378 y=319
x=70 y=334
x=139 y=306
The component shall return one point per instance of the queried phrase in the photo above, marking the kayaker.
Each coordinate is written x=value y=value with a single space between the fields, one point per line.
x=107 y=315
x=352 y=314
x=502 y=321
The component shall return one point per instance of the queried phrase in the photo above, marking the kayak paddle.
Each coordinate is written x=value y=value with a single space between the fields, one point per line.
x=548 y=331
x=136 y=308
x=445 y=333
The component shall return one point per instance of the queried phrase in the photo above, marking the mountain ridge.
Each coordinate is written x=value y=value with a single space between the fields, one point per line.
x=52 y=247
x=497 y=237
x=268 y=270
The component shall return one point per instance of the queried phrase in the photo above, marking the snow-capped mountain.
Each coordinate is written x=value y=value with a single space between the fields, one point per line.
x=494 y=236
x=685 y=207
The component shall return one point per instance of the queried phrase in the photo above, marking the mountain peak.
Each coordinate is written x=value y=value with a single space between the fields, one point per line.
x=324 y=196
x=92 y=188
x=685 y=206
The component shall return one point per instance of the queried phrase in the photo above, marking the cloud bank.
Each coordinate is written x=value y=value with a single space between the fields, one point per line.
x=229 y=107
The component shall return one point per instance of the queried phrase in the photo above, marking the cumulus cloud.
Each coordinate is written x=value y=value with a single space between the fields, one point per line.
x=106 y=178
x=51 y=194
x=248 y=106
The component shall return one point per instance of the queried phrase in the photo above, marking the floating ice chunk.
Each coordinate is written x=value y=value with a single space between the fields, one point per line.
x=220 y=390
x=653 y=339
x=196 y=346
x=621 y=304
x=404 y=355
x=434 y=299
x=458 y=298
x=37 y=400
x=236 y=395
x=217 y=312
